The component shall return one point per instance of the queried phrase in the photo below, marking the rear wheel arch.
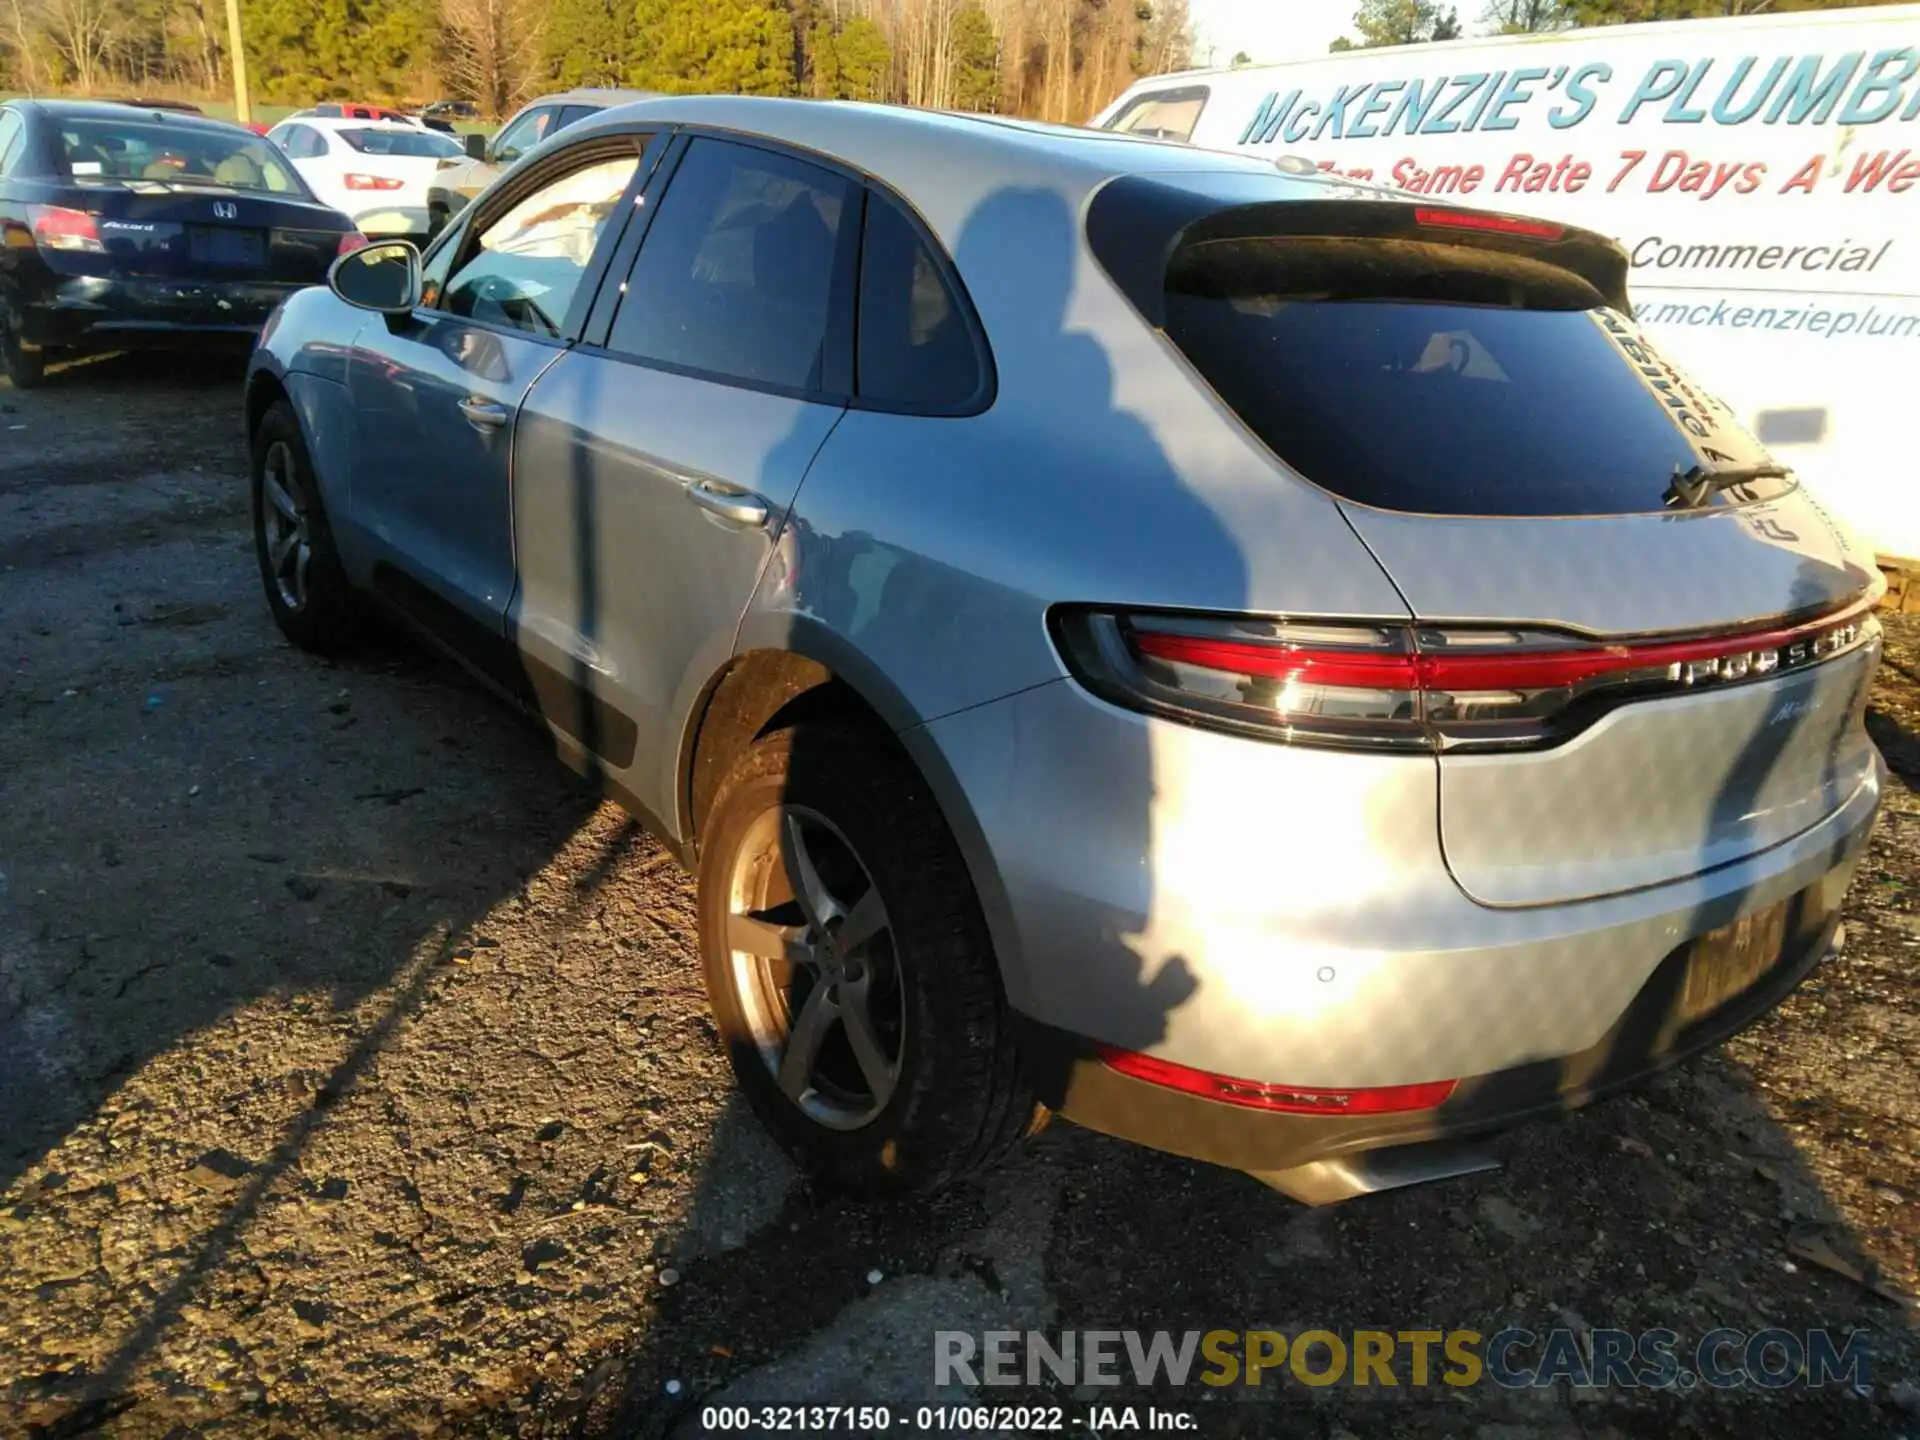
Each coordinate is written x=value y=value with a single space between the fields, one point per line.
x=765 y=690
x=758 y=692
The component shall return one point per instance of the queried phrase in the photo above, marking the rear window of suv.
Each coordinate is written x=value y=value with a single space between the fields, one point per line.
x=1441 y=379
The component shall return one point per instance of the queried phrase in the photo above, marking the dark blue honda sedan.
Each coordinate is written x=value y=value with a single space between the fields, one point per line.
x=123 y=226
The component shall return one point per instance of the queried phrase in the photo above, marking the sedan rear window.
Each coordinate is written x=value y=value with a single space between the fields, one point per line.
x=130 y=152
x=1444 y=380
x=416 y=144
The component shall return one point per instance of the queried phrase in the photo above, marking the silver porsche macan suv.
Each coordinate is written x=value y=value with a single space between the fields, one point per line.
x=1271 y=668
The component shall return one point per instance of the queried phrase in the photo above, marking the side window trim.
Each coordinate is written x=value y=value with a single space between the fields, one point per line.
x=643 y=144
x=838 y=367
x=987 y=383
x=599 y=322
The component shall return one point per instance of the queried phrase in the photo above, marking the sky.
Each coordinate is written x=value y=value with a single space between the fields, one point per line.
x=1279 y=29
x=1268 y=29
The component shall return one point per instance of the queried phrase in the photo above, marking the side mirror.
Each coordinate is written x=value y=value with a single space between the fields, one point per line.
x=384 y=276
x=476 y=146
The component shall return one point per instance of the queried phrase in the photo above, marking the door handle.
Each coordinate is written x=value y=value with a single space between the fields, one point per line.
x=738 y=508
x=483 y=414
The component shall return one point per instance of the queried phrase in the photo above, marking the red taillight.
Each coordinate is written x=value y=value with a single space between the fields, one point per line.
x=1415 y=687
x=373 y=182
x=1488 y=224
x=1263 y=1095
x=350 y=242
x=55 y=227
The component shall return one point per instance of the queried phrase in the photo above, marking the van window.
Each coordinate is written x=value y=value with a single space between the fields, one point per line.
x=1163 y=114
x=1444 y=380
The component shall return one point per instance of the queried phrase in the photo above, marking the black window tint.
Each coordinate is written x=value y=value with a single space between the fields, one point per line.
x=570 y=113
x=1487 y=405
x=741 y=270
x=915 y=350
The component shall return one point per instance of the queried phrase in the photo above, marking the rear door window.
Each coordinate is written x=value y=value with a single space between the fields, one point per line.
x=570 y=114
x=1436 y=379
x=747 y=271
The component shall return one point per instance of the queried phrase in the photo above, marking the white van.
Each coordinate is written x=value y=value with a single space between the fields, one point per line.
x=1762 y=173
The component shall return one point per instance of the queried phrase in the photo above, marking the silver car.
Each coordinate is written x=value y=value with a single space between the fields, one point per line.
x=1265 y=667
x=460 y=179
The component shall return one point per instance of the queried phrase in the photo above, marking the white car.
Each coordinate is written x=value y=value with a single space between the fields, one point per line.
x=376 y=171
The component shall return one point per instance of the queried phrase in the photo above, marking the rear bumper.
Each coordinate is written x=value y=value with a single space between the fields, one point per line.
x=1286 y=916
x=102 y=313
x=1647 y=1039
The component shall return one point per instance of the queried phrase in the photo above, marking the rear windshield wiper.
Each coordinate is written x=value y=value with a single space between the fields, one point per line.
x=1692 y=487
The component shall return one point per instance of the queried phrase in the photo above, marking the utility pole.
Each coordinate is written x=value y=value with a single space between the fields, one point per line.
x=242 y=107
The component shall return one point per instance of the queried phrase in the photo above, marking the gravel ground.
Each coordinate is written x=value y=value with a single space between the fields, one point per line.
x=355 y=1077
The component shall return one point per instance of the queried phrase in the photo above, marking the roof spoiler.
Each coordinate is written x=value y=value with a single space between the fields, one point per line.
x=1138 y=227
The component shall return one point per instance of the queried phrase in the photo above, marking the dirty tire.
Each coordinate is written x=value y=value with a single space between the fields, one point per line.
x=25 y=365
x=324 y=619
x=961 y=1100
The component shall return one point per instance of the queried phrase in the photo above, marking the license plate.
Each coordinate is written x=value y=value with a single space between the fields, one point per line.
x=215 y=245
x=1729 y=960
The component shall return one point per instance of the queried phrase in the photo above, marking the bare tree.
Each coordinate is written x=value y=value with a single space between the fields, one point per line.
x=491 y=50
x=80 y=33
x=23 y=39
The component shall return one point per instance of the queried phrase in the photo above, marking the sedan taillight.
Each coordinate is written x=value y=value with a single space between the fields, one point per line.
x=55 y=227
x=349 y=242
x=373 y=182
x=1414 y=687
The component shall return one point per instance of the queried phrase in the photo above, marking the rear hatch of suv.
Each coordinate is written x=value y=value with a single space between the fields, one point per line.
x=1643 y=651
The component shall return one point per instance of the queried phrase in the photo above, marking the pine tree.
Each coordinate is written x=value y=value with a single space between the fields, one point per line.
x=976 y=61
x=850 y=63
x=588 y=42
x=692 y=47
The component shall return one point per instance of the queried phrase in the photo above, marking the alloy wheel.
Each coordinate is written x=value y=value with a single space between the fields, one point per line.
x=284 y=526
x=813 y=967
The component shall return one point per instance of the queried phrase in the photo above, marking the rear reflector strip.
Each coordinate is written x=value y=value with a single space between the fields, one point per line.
x=1417 y=687
x=1289 y=1099
x=1488 y=224
x=1684 y=661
